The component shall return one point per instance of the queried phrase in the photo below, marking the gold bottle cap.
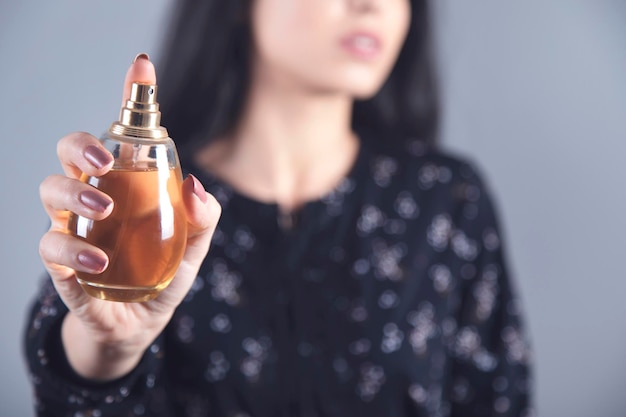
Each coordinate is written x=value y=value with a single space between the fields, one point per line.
x=140 y=117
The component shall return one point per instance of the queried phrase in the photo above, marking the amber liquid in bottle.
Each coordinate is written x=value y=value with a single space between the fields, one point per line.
x=144 y=237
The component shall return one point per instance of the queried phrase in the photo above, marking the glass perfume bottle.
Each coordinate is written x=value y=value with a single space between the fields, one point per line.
x=145 y=235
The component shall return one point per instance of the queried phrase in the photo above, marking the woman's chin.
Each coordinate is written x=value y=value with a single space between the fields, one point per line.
x=363 y=86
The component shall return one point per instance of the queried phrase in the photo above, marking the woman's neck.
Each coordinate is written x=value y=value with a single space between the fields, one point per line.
x=289 y=146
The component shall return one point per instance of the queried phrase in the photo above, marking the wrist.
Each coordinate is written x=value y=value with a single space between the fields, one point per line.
x=97 y=357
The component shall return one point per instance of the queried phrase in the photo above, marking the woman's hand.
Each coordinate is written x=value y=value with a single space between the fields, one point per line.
x=104 y=340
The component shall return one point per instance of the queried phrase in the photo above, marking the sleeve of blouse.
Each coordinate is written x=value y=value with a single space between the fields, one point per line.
x=59 y=391
x=491 y=359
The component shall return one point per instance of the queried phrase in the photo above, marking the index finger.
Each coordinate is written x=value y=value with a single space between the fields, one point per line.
x=140 y=71
x=81 y=152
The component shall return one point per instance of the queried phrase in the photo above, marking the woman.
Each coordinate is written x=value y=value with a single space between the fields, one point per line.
x=355 y=269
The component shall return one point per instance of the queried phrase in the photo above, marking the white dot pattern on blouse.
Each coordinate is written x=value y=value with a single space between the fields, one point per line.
x=388 y=297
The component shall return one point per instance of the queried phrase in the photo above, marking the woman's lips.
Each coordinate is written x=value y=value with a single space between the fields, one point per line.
x=362 y=45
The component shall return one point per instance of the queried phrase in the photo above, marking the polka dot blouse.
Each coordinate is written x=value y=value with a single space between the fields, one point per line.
x=387 y=297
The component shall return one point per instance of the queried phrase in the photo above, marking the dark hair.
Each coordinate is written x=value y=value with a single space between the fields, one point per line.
x=204 y=77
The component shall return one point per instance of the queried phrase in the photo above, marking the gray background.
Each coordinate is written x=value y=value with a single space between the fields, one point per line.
x=535 y=94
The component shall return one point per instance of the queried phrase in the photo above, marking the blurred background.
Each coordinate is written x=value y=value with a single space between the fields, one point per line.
x=534 y=93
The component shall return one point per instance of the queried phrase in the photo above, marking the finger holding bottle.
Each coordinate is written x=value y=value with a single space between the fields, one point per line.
x=62 y=255
x=82 y=153
x=61 y=195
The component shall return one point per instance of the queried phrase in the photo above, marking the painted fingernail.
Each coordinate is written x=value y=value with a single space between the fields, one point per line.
x=92 y=261
x=198 y=189
x=142 y=55
x=97 y=156
x=95 y=201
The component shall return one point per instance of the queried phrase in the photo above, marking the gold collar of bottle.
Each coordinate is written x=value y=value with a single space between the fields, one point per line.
x=140 y=117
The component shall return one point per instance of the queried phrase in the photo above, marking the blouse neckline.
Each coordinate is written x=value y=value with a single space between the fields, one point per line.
x=227 y=195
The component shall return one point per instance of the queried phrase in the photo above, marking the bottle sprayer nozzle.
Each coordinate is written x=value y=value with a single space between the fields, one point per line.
x=140 y=117
x=143 y=93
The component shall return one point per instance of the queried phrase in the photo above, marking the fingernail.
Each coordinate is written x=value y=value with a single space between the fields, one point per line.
x=92 y=261
x=95 y=201
x=198 y=189
x=142 y=55
x=97 y=156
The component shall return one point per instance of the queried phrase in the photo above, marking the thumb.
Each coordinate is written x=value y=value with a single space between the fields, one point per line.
x=140 y=71
x=203 y=213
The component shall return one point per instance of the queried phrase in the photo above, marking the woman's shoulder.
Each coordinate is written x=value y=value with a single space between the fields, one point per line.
x=420 y=164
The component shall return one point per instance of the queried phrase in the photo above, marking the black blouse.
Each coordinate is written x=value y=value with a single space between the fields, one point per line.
x=388 y=297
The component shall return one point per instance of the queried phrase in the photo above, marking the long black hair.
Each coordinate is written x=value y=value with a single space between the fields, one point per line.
x=204 y=75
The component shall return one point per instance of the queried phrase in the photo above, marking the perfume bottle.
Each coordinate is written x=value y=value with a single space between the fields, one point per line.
x=145 y=235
